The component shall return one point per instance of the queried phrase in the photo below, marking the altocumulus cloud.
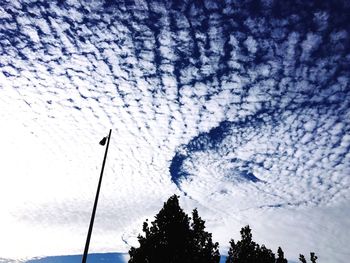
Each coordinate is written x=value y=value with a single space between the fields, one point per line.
x=240 y=107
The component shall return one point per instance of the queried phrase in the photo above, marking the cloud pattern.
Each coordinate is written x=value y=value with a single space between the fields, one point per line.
x=241 y=106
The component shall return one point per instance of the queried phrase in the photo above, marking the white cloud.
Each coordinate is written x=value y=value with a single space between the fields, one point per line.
x=251 y=44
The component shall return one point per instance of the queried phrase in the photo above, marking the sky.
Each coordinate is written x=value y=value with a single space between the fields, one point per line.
x=242 y=108
x=102 y=257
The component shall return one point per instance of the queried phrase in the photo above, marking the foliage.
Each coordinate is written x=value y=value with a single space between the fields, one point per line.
x=302 y=258
x=280 y=256
x=173 y=238
x=247 y=251
x=313 y=258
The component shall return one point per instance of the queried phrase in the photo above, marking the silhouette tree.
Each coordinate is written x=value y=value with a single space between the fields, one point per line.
x=280 y=258
x=203 y=247
x=247 y=251
x=173 y=238
x=302 y=258
x=313 y=258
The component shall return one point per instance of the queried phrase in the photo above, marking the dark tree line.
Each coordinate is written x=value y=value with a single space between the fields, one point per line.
x=174 y=237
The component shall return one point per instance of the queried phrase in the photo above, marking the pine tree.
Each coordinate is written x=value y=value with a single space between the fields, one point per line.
x=280 y=258
x=264 y=255
x=172 y=238
x=247 y=251
x=204 y=248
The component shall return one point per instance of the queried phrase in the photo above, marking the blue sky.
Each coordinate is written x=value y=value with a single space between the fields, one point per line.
x=240 y=107
x=105 y=257
x=94 y=258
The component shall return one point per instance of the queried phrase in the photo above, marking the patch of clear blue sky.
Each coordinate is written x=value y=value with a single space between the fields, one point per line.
x=92 y=258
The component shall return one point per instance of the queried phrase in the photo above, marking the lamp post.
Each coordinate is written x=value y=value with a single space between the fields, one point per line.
x=86 y=250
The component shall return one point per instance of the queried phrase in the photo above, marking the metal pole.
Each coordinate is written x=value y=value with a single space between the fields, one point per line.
x=86 y=250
